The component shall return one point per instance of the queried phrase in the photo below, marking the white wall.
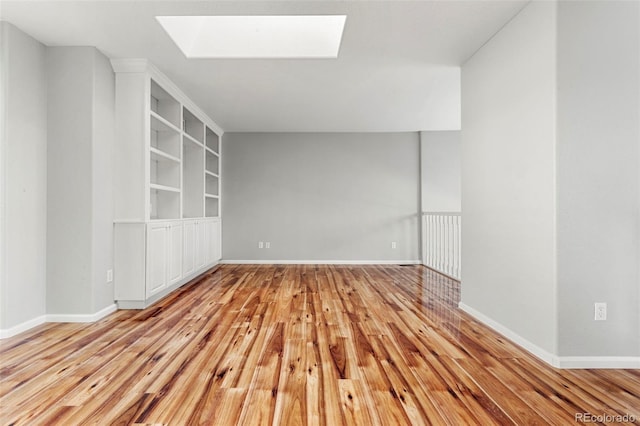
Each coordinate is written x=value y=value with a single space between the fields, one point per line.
x=321 y=197
x=69 y=180
x=508 y=178
x=3 y=137
x=103 y=185
x=440 y=171
x=551 y=182
x=24 y=180
x=80 y=206
x=57 y=203
x=598 y=177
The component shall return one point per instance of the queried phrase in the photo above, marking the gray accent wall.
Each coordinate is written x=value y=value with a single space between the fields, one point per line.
x=599 y=177
x=551 y=181
x=23 y=213
x=321 y=196
x=440 y=171
x=104 y=91
x=57 y=209
x=508 y=178
x=80 y=184
x=69 y=181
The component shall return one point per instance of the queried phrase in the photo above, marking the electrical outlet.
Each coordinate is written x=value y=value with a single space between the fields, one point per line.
x=267 y=245
x=260 y=245
x=394 y=245
x=109 y=275
x=600 y=311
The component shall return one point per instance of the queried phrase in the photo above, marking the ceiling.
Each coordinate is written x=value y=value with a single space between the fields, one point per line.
x=398 y=67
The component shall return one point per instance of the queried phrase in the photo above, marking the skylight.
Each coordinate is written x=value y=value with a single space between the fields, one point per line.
x=317 y=36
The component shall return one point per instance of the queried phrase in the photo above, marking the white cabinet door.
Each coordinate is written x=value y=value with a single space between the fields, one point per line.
x=213 y=241
x=164 y=256
x=157 y=253
x=209 y=239
x=218 y=241
x=189 y=248
x=201 y=246
x=174 y=261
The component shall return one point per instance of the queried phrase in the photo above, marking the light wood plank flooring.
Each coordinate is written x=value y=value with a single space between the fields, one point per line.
x=297 y=345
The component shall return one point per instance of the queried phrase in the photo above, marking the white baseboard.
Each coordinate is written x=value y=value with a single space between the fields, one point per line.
x=83 y=317
x=534 y=349
x=27 y=325
x=17 y=329
x=564 y=362
x=320 y=262
x=617 y=362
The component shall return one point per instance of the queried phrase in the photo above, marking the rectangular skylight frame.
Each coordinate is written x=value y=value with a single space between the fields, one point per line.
x=264 y=36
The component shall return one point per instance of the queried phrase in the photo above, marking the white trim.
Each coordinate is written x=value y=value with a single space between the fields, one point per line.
x=617 y=362
x=83 y=317
x=137 y=65
x=534 y=349
x=4 y=120
x=129 y=65
x=320 y=262
x=564 y=362
x=27 y=325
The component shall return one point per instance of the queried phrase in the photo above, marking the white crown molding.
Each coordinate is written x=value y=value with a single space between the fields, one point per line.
x=140 y=65
x=130 y=65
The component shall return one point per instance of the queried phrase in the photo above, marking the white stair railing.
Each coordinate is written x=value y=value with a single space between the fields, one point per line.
x=441 y=239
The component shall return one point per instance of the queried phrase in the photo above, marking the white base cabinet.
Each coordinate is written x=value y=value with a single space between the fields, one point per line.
x=201 y=244
x=189 y=247
x=213 y=239
x=154 y=258
x=164 y=256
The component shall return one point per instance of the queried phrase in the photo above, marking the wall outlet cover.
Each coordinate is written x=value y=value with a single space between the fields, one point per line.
x=600 y=311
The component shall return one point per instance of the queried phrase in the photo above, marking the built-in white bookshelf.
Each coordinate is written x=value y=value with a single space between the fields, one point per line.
x=192 y=172
x=165 y=181
x=169 y=168
x=212 y=174
x=211 y=184
x=163 y=105
x=213 y=141
x=164 y=202
x=212 y=206
x=167 y=186
x=192 y=125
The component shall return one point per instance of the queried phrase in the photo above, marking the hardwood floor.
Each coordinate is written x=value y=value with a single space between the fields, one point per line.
x=296 y=345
